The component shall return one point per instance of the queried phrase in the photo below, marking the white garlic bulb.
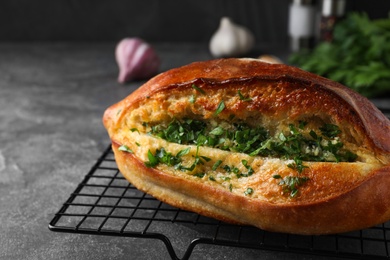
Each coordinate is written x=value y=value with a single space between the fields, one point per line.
x=231 y=40
x=136 y=59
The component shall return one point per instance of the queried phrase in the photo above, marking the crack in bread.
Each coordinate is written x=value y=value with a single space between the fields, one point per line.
x=335 y=196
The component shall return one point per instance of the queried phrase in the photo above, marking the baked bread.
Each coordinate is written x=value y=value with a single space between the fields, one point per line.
x=259 y=144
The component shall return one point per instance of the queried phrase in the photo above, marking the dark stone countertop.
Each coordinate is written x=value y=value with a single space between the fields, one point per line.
x=52 y=97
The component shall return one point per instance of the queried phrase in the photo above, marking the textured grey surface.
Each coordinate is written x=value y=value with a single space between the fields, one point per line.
x=52 y=98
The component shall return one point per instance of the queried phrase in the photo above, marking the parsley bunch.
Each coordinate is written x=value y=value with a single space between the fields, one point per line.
x=358 y=56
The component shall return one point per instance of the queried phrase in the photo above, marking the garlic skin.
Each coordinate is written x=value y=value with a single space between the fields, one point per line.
x=136 y=60
x=231 y=40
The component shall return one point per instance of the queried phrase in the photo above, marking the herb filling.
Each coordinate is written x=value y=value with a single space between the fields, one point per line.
x=322 y=145
x=319 y=146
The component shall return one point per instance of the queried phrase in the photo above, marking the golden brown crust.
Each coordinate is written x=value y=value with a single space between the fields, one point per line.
x=338 y=198
x=225 y=71
x=366 y=205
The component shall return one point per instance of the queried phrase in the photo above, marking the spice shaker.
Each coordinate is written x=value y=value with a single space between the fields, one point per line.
x=332 y=11
x=301 y=25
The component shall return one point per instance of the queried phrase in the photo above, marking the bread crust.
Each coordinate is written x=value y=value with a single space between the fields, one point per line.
x=279 y=93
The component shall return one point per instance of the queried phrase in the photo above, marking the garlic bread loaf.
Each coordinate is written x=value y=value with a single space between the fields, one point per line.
x=259 y=144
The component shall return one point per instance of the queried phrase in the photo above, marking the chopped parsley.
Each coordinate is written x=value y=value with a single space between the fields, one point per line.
x=297 y=143
x=330 y=130
x=216 y=165
x=221 y=106
x=192 y=99
x=290 y=184
x=198 y=89
x=125 y=148
x=321 y=146
x=297 y=165
x=200 y=174
x=134 y=130
x=211 y=178
x=242 y=97
x=248 y=191
x=164 y=157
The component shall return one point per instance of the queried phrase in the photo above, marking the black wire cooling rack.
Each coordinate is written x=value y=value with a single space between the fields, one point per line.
x=105 y=203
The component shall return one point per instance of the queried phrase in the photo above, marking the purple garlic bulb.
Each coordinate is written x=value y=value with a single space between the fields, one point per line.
x=136 y=60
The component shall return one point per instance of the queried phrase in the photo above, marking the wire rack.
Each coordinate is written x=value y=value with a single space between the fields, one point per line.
x=105 y=203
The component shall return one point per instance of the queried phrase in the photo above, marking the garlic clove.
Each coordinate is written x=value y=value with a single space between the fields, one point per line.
x=136 y=59
x=230 y=39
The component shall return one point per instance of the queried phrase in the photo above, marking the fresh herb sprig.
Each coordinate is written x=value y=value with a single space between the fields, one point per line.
x=125 y=148
x=220 y=108
x=242 y=96
x=167 y=158
x=358 y=56
x=290 y=184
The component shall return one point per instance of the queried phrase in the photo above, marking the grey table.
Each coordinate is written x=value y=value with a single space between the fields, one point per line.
x=52 y=97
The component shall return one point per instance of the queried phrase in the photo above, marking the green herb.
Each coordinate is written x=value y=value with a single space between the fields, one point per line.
x=125 y=148
x=225 y=178
x=198 y=160
x=240 y=138
x=153 y=160
x=198 y=89
x=217 y=131
x=358 y=56
x=302 y=124
x=216 y=165
x=221 y=106
x=183 y=152
x=164 y=157
x=298 y=144
x=134 y=130
x=291 y=184
x=181 y=132
x=297 y=165
x=137 y=144
x=248 y=191
x=211 y=178
x=315 y=146
x=200 y=175
x=192 y=99
x=227 y=168
x=230 y=187
x=330 y=130
x=250 y=169
x=242 y=97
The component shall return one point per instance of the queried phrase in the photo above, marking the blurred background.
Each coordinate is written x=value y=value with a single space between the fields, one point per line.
x=152 y=20
x=299 y=32
x=59 y=72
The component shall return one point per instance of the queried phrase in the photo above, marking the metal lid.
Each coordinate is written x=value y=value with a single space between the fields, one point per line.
x=333 y=7
x=303 y=2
